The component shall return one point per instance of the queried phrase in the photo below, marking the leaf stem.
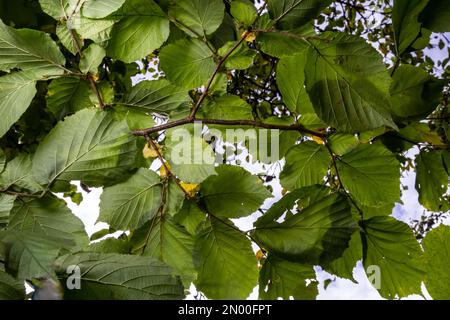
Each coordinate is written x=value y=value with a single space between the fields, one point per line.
x=341 y=185
x=89 y=77
x=213 y=76
x=165 y=166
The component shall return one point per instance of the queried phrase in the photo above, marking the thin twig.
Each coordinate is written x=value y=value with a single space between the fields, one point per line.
x=290 y=34
x=165 y=166
x=199 y=36
x=216 y=71
x=89 y=77
x=341 y=185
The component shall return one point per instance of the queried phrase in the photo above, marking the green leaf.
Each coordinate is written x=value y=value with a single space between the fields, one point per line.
x=157 y=96
x=281 y=45
x=244 y=11
x=306 y=165
x=198 y=17
x=190 y=216
x=383 y=210
x=18 y=174
x=16 y=89
x=62 y=9
x=98 y=31
x=111 y=245
x=2 y=160
x=371 y=173
x=130 y=204
x=135 y=120
x=227 y=267
x=91 y=59
x=391 y=245
x=50 y=217
x=227 y=107
x=168 y=242
x=240 y=59
x=344 y=265
x=190 y=157
x=369 y=136
x=11 y=288
x=285 y=279
x=290 y=14
x=414 y=92
x=98 y=9
x=28 y=255
x=291 y=82
x=348 y=84
x=405 y=15
x=233 y=193
x=342 y=143
x=422 y=132
x=66 y=96
x=437 y=259
x=432 y=180
x=187 y=63
x=286 y=206
x=436 y=16
x=30 y=50
x=65 y=36
x=6 y=204
x=312 y=121
x=174 y=198
x=88 y=146
x=317 y=233
x=142 y=29
x=120 y=277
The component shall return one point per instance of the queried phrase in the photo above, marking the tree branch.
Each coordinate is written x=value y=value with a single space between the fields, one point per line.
x=251 y=123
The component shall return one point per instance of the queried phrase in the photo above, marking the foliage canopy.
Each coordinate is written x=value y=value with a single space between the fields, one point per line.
x=347 y=83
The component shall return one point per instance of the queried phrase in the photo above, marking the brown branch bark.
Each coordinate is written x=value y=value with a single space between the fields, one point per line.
x=251 y=123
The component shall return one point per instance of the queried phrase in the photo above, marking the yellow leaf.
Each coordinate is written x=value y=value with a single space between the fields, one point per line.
x=318 y=140
x=162 y=170
x=190 y=188
x=250 y=37
x=150 y=152
x=259 y=255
